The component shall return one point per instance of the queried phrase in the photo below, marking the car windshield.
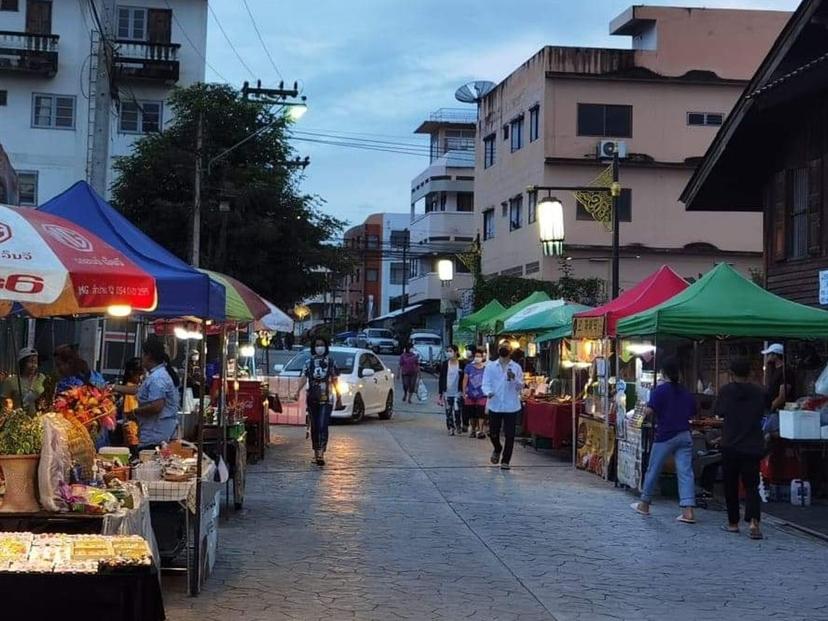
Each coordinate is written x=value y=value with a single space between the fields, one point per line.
x=344 y=361
x=380 y=334
x=426 y=340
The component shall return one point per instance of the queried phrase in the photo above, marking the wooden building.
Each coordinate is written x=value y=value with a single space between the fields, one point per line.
x=771 y=155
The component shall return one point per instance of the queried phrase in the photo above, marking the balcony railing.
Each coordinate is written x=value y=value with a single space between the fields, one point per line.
x=147 y=61
x=25 y=52
x=453 y=115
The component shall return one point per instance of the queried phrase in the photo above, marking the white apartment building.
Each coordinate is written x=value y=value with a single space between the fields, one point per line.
x=392 y=271
x=48 y=66
x=442 y=212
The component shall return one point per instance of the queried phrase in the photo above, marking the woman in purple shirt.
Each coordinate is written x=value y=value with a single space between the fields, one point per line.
x=673 y=406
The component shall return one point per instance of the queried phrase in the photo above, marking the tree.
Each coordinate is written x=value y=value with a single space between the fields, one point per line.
x=273 y=238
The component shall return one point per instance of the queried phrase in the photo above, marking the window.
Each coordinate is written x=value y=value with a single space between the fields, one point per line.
x=371 y=275
x=516 y=212
x=505 y=132
x=53 y=111
x=517 y=133
x=604 y=120
x=489 y=151
x=413 y=268
x=397 y=273
x=27 y=188
x=798 y=232
x=713 y=119
x=534 y=123
x=4 y=98
x=132 y=23
x=142 y=117
x=465 y=201
x=443 y=200
x=8 y=5
x=399 y=239
x=532 y=208
x=372 y=243
x=533 y=267
x=488 y=224
x=624 y=208
x=432 y=202
x=513 y=271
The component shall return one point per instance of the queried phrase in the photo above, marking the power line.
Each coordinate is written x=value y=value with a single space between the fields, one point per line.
x=193 y=45
x=229 y=42
x=261 y=40
x=368 y=147
x=416 y=145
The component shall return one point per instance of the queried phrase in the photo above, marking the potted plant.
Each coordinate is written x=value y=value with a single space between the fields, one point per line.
x=20 y=441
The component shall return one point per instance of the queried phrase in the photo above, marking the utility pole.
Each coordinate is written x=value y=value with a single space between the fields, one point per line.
x=104 y=83
x=403 y=301
x=196 y=234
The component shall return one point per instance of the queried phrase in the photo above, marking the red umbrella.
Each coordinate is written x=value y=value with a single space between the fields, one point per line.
x=51 y=266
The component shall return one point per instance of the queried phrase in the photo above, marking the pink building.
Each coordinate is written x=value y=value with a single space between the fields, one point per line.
x=665 y=98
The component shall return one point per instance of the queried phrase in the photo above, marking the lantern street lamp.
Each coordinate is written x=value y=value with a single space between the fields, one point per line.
x=551 y=225
x=445 y=269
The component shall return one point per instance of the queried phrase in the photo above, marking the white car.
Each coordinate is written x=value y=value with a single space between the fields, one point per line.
x=365 y=383
x=379 y=340
x=429 y=348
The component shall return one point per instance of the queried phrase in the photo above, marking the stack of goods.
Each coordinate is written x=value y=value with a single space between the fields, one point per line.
x=58 y=553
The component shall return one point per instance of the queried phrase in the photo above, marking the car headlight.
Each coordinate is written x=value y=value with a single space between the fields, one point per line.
x=343 y=387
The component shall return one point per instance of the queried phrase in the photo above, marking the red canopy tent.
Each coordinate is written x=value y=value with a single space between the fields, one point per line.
x=658 y=287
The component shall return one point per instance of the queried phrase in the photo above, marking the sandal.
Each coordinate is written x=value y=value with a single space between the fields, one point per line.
x=756 y=535
x=634 y=506
x=685 y=520
x=727 y=529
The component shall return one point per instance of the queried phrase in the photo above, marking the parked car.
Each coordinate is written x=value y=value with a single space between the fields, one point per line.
x=365 y=383
x=379 y=341
x=429 y=347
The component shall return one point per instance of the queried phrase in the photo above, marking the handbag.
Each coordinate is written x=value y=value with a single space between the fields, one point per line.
x=275 y=403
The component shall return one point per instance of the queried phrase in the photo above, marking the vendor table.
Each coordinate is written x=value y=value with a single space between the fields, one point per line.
x=124 y=595
x=546 y=419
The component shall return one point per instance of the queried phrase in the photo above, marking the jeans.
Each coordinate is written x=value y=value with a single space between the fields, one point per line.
x=681 y=448
x=508 y=420
x=738 y=465
x=454 y=412
x=320 y=418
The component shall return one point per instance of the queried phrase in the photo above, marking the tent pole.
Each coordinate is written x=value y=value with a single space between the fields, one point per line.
x=195 y=572
x=574 y=419
x=716 y=371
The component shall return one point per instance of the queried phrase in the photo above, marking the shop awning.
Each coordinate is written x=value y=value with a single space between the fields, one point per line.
x=397 y=313
x=658 y=287
x=726 y=304
x=471 y=322
x=182 y=290
x=546 y=320
x=275 y=321
x=495 y=324
x=242 y=303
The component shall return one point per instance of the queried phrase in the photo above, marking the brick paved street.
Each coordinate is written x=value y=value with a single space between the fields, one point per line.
x=408 y=523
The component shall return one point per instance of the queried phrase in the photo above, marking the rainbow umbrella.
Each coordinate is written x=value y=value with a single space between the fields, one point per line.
x=242 y=304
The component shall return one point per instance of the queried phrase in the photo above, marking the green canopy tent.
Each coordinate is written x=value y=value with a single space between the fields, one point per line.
x=724 y=303
x=495 y=324
x=550 y=320
x=470 y=323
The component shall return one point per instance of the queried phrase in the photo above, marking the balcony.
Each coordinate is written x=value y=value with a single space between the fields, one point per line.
x=142 y=60
x=35 y=54
x=428 y=287
x=454 y=115
x=452 y=228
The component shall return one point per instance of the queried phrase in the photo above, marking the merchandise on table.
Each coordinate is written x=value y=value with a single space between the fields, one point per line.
x=58 y=553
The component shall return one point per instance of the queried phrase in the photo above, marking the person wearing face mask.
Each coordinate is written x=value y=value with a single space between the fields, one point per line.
x=319 y=375
x=474 y=399
x=502 y=384
x=450 y=390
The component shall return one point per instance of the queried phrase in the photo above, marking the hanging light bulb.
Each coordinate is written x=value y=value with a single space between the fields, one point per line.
x=551 y=224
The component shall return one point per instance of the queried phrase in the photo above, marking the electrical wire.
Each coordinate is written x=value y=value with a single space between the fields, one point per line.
x=417 y=145
x=193 y=45
x=261 y=39
x=229 y=42
x=368 y=147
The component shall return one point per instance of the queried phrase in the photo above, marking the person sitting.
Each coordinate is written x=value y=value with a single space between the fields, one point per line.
x=25 y=388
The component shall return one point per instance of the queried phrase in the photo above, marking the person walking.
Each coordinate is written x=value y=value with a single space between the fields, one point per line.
x=742 y=406
x=673 y=406
x=319 y=375
x=409 y=372
x=474 y=399
x=450 y=390
x=502 y=383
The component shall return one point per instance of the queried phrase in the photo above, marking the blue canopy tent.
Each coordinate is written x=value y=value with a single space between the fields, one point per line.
x=182 y=289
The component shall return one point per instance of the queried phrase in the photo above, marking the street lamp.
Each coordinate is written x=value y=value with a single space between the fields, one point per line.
x=445 y=269
x=551 y=225
x=296 y=111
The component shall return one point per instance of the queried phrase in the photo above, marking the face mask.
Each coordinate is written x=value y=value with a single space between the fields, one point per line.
x=319 y=350
x=503 y=352
x=449 y=355
x=478 y=359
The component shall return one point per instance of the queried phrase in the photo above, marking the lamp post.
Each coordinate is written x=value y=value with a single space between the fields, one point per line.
x=551 y=225
x=445 y=271
x=301 y=311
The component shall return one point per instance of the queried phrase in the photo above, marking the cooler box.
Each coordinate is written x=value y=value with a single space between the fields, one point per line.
x=799 y=425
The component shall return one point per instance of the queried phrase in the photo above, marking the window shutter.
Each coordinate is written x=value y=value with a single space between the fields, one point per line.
x=815 y=207
x=778 y=216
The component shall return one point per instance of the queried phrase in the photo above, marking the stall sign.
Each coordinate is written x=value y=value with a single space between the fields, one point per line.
x=588 y=328
x=593 y=454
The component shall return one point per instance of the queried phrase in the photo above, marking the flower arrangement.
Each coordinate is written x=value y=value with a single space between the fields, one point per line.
x=21 y=433
x=88 y=405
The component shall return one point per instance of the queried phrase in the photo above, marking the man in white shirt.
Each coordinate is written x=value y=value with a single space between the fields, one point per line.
x=502 y=384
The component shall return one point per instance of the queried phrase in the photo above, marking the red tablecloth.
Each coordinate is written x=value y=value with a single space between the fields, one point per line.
x=549 y=420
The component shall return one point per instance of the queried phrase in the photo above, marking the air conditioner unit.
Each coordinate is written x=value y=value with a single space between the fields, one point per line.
x=607 y=148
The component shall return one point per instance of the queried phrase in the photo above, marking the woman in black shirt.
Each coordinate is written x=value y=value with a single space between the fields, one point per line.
x=742 y=405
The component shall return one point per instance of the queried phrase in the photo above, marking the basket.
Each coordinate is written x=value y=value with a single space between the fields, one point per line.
x=81 y=446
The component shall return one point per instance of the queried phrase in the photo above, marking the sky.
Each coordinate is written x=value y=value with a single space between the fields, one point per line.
x=375 y=69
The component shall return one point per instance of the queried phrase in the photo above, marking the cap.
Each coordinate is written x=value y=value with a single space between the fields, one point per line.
x=25 y=353
x=776 y=348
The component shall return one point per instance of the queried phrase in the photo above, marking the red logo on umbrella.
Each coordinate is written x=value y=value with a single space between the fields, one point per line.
x=69 y=237
x=5 y=232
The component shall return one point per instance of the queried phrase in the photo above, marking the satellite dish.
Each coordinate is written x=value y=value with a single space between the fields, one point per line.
x=473 y=92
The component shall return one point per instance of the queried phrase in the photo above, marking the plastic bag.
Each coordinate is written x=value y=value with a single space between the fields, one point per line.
x=821 y=386
x=55 y=462
x=422 y=391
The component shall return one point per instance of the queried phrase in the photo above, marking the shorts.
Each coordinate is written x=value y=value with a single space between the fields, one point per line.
x=409 y=383
x=475 y=409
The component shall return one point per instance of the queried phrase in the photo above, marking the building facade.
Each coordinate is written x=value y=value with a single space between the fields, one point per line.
x=442 y=220
x=665 y=98
x=49 y=57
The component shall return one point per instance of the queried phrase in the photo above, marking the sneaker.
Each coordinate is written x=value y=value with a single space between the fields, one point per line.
x=495 y=457
x=505 y=466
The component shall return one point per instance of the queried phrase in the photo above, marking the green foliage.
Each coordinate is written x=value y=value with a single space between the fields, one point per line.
x=271 y=228
x=20 y=433
x=509 y=290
